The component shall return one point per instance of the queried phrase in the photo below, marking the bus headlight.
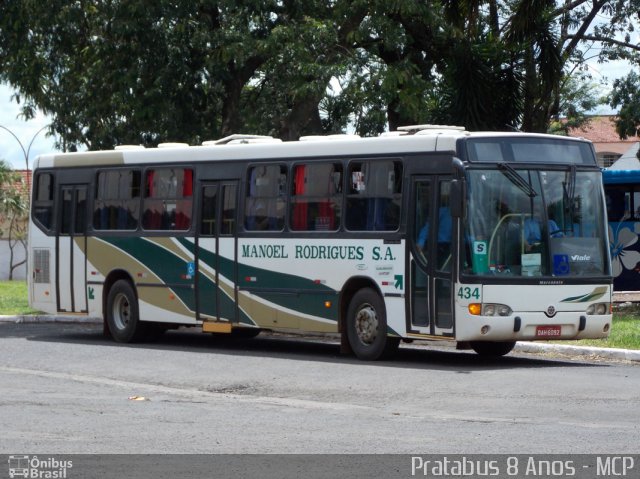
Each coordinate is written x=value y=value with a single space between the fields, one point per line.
x=598 y=308
x=492 y=309
x=489 y=309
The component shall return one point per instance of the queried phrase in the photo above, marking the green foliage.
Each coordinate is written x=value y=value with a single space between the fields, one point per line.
x=626 y=95
x=14 y=209
x=131 y=71
x=12 y=202
x=478 y=91
x=578 y=95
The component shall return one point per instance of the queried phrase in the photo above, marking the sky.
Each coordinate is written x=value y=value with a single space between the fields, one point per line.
x=10 y=149
x=11 y=152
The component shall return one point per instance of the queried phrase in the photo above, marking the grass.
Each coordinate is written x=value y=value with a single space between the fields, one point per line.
x=625 y=333
x=14 y=299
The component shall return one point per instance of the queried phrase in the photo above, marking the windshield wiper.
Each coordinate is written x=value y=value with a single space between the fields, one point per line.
x=513 y=176
x=569 y=190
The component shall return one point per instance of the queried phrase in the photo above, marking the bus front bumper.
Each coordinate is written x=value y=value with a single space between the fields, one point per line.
x=532 y=326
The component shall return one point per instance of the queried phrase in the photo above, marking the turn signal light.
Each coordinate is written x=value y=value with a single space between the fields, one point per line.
x=489 y=309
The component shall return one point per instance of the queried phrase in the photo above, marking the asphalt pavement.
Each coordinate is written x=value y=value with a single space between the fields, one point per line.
x=522 y=346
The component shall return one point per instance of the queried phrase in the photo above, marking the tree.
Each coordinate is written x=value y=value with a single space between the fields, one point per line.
x=578 y=95
x=544 y=44
x=130 y=71
x=13 y=213
x=311 y=47
x=114 y=72
x=626 y=95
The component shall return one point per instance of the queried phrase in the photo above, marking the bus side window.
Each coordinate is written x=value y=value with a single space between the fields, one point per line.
x=43 y=199
x=228 y=225
x=373 y=201
x=445 y=224
x=266 y=201
x=619 y=202
x=117 y=200
x=168 y=199
x=316 y=199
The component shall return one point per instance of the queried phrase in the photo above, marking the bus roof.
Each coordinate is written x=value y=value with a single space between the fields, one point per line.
x=410 y=139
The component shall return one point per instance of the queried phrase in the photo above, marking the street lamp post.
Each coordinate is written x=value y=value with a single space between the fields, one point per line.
x=25 y=152
x=26 y=160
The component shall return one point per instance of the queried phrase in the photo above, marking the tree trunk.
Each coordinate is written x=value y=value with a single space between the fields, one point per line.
x=233 y=86
x=231 y=106
x=529 y=91
x=303 y=119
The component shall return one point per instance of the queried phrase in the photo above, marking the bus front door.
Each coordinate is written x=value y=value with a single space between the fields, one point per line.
x=216 y=252
x=431 y=262
x=71 y=247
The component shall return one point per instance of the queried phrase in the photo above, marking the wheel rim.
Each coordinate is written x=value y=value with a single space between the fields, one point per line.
x=121 y=311
x=366 y=324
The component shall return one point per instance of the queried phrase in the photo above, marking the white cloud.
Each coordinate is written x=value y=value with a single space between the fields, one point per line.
x=10 y=150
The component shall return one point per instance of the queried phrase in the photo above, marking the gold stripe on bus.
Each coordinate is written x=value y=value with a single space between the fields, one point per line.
x=307 y=324
x=103 y=256
x=80 y=243
x=163 y=298
x=100 y=158
x=170 y=245
x=271 y=317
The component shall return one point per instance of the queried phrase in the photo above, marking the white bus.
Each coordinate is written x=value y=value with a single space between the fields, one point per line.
x=428 y=233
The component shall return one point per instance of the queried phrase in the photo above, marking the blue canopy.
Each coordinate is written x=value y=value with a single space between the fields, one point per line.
x=617 y=177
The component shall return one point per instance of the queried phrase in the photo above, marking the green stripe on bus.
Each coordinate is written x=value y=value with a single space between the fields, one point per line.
x=305 y=297
x=165 y=264
x=597 y=293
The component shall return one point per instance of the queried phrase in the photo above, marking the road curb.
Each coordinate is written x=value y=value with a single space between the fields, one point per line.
x=45 y=318
x=585 y=351
x=522 y=346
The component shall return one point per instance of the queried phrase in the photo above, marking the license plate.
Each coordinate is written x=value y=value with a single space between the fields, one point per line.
x=548 y=331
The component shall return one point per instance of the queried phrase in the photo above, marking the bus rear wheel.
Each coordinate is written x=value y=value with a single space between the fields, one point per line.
x=367 y=327
x=123 y=317
x=245 y=333
x=492 y=348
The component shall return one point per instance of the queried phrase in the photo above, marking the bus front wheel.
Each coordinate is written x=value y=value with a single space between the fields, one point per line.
x=367 y=327
x=123 y=317
x=492 y=348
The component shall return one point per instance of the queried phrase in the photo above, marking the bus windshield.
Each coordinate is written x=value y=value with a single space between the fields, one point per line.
x=531 y=222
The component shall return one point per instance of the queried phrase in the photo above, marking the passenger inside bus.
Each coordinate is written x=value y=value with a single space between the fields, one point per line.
x=533 y=231
x=444 y=229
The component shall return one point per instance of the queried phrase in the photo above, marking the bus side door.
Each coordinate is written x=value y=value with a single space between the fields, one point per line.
x=431 y=257
x=216 y=267
x=71 y=247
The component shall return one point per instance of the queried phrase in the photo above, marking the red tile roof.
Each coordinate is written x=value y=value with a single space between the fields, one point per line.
x=601 y=129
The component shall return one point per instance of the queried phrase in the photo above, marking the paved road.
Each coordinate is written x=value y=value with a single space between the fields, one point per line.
x=65 y=389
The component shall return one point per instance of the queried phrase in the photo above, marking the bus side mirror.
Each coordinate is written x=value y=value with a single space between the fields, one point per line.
x=456 y=198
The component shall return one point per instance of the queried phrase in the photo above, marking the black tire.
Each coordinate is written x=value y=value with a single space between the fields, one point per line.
x=122 y=313
x=367 y=327
x=492 y=348
x=245 y=333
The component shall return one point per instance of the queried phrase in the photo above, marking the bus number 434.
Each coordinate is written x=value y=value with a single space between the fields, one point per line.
x=464 y=292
